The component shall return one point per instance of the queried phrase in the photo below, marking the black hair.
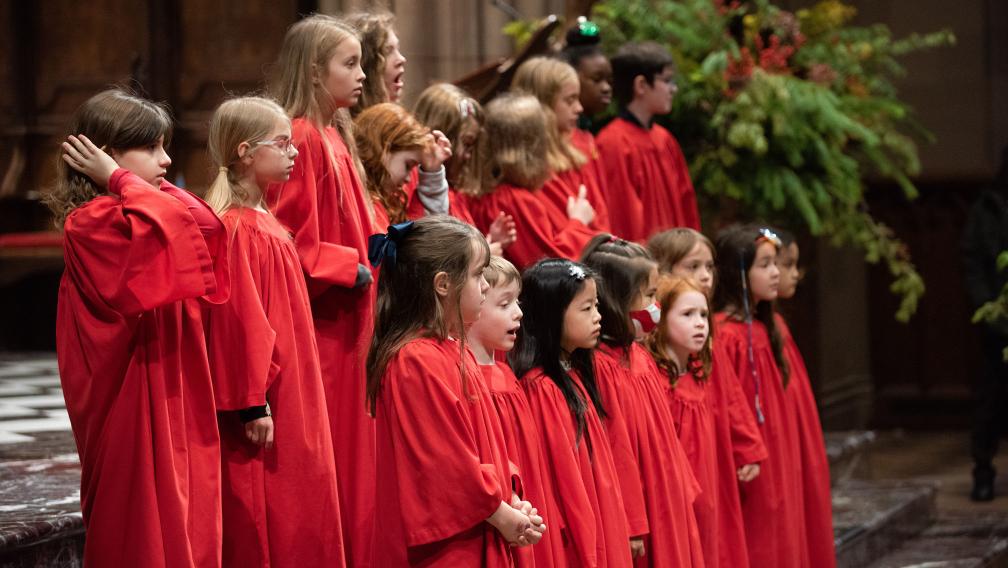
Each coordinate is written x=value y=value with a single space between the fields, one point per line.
x=736 y=251
x=623 y=268
x=548 y=288
x=579 y=46
x=646 y=58
x=786 y=237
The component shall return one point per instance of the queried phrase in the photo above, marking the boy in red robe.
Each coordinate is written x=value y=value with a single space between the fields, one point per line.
x=647 y=183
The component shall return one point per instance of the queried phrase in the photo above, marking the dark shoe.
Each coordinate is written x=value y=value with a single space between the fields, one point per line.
x=983 y=484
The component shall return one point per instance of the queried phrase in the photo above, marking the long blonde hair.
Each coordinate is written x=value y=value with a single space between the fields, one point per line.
x=382 y=130
x=243 y=119
x=445 y=107
x=115 y=119
x=513 y=146
x=305 y=53
x=373 y=28
x=543 y=78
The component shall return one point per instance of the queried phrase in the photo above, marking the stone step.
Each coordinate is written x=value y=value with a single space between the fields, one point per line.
x=847 y=452
x=873 y=518
x=955 y=541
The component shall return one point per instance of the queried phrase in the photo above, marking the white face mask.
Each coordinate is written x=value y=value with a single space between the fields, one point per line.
x=646 y=320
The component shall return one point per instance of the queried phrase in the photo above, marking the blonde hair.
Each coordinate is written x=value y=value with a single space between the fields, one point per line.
x=115 y=119
x=500 y=272
x=671 y=246
x=243 y=119
x=445 y=107
x=382 y=130
x=374 y=28
x=304 y=55
x=543 y=78
x=670 y=288
x=514 y=144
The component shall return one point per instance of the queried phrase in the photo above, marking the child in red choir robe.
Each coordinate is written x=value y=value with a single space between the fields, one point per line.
x=647 y=183
x=491 y=336
x=815 y=464
x=685 y=253
x=381 y=59
x=772 y=504
x=631 y=384
x=553 y=357
x=514 y=168
x=447 y=490
x=280 y=502
x=556 y=86
x=329 y=212
x=392 y=144
x=139 y=254
x=447 y=108
x=582 y=52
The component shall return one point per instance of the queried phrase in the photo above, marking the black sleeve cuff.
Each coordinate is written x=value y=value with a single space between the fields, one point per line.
x=253 y=413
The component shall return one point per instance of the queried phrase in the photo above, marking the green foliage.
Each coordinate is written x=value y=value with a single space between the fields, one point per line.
x=996 y=309
x=784 y=115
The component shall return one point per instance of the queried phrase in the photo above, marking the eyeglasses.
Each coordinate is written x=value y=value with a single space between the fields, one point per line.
x=283 y=144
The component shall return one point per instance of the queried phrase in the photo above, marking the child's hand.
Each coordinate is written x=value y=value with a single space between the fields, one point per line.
x=437 y=152
x=748 y=472
x=502 y=231
x=260 y=431
x=82 y=155
x=579 y=208
x=534 y=533
x=511 y=523
x=637 y=548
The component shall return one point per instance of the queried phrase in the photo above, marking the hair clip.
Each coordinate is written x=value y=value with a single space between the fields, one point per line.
x=576 y=272
x=383 y=247
x=769 y=236
x=587 y=27
x=466 y=107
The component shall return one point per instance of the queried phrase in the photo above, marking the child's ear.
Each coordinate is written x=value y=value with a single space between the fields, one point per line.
x=640 y=85
x=442 y=284
x=244 y=152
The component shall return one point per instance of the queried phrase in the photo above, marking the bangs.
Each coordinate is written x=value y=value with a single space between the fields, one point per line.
x=148 y=123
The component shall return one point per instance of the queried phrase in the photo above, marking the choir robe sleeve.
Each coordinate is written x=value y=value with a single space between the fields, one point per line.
x=609 y=376
x=573 y=516
x=539 y=234
x=297 y=204
x=747 y=441
x=445 y=488
x=137 y=252
x=241 y=343
x=618 y=165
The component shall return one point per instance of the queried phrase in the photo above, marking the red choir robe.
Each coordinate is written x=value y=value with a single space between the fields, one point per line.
x=544 y=230
x=134 y=371
x=815 y=464
x=589 y=506
x=325 y=205
x=646 y=181
x=738 y=443
x=632 y=384
x=772 y=504
x=442 y=462
x=524 y=447
x=562 y=185
x=280 y=505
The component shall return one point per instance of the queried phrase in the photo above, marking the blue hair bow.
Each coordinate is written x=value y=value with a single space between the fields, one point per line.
x=383 y=247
